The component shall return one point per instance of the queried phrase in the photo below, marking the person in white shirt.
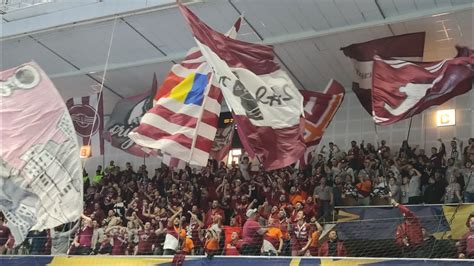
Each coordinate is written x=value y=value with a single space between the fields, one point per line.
x=60 y=239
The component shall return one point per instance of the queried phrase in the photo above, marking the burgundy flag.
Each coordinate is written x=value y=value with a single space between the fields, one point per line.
x=402 y=89
x=319 y=109
x=265 y=104
x=222 y=142
x=87 y=114
x=407 y=47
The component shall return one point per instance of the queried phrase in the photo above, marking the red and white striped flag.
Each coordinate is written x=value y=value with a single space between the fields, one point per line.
x=265 y=104
x=407 y=47
x=87 y=114
x=183 y=121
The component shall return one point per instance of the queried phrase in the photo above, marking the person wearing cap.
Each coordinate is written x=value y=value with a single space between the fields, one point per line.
x=252 y=234
x=466 y=244
x=409 y=235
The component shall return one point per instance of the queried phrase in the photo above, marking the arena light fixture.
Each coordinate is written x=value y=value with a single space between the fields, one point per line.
x=445 y=117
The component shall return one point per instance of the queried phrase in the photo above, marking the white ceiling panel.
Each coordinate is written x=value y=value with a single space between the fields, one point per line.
x=88 y=45
x=350 y=11
x=18 y=51
x=332 y=14
x=134 y=80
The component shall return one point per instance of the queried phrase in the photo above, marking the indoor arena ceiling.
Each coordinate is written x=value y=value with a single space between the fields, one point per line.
x=150 y=35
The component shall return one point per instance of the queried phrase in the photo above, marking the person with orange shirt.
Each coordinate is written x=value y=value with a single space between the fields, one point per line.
x=364 y=187
x=188 y=246
x=313 y=247
x=296 y=196
x=211 y=246
x=272 y=239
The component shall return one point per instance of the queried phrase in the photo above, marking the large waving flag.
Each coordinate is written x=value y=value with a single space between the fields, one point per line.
x=126 y=117
x=266 y=105
x=319 y=109
x=403 y=89
x=407 y=47
x=40 y=169
x=87 y=114
x=183 y=121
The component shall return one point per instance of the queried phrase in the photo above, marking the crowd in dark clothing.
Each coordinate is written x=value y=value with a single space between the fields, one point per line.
x=240 y=209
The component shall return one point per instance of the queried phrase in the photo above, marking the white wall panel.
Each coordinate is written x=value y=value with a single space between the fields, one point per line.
x=352 y=122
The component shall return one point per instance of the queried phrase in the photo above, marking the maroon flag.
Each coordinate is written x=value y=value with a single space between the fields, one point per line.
x=222 y=142
x=407 y=47
x=87 y=115
x=319 y=109
x=402 y=89
x=265 y=104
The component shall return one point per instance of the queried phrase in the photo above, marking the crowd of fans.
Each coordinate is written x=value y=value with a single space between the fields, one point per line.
x=234 y=210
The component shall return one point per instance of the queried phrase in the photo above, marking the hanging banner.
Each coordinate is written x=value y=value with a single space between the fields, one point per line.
x=125 y=117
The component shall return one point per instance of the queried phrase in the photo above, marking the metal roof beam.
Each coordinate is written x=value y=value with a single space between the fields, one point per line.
x=280 y=39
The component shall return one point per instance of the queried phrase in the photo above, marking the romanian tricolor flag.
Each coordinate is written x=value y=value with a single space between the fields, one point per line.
x=183 y=121
x=189 y=91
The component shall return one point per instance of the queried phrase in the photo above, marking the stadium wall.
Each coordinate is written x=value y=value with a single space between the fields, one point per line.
x=352 y=122
x=203 y=261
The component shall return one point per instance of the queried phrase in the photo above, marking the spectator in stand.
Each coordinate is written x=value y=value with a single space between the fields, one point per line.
x=5 y=235
x=394 y=188
x=174 y=233
x=301 y=236
x=364 y=187
x=324 y=196
x=453 y=192
x=272 y=239
x=469 y=151
x=332 y=247
x=437 y=156
x=414 y=186
x=409 y=236
x=215 y=210
x=83 y=241
x=60 y=239
x=466 y=244
x=252 y=234
x=317 y=230
x=468 y=175
x=38 y=242
x=232 y=247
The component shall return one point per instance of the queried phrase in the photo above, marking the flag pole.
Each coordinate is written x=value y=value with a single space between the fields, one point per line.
x=409 y=129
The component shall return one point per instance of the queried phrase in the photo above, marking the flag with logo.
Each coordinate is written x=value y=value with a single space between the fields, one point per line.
x=40 y=169
x=125 y=117
x=319 y=109
x=407 y=47
x=402 y=89
x=87 y=115
x=183 y=121
x=266 y=105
